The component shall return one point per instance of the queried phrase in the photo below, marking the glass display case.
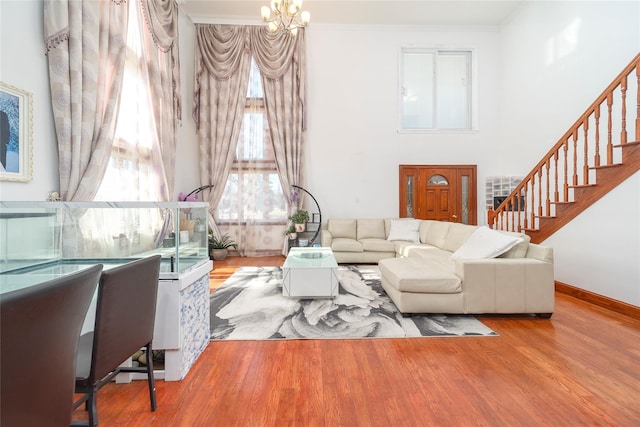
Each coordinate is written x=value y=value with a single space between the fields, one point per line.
x=43 y=240
x=47 y=236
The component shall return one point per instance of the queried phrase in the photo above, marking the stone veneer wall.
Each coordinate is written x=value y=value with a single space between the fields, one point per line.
x=194 y=319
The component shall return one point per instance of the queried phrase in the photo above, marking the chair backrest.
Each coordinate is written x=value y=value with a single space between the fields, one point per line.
x=125 y=314
x=39 y=330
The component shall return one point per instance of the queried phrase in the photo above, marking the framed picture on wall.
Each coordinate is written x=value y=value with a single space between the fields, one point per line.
x=16 y=126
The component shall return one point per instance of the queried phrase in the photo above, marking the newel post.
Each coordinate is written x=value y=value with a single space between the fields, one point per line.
x=491 y=217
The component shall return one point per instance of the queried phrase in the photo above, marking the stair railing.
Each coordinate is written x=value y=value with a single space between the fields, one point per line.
x=587 y=145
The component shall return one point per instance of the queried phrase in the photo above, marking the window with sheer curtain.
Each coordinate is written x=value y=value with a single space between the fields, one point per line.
x=253 y=191
x=134 y=172
x=253 y=194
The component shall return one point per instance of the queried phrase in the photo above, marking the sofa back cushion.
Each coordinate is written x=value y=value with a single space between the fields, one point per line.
x=437 y=233
x=404 y=229
x=370 y=229
x=458 y=234
x=345 y=228
x=423 y=230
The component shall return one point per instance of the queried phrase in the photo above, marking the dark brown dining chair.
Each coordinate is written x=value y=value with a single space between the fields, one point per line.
x=39 y=330
x=125 y=318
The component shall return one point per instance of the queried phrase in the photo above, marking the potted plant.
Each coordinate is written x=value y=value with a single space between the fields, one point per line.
x=219 y=247
x=291 y=232
x=299 y=219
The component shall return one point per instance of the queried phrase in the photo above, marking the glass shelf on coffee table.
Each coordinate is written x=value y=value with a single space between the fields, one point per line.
x=310 y=273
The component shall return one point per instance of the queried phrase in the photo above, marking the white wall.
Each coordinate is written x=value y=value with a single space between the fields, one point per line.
x=353 y=145
x=557 y=57
x=23 y=64
x=187 y=165
x=600 y=249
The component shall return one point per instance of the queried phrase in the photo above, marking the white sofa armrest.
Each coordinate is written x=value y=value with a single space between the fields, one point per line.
x=325 y=238
x=507 y=285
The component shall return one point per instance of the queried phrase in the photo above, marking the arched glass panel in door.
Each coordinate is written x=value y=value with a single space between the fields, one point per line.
x=437 y=180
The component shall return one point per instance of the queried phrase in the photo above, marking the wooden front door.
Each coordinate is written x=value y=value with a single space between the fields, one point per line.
x=442 y=193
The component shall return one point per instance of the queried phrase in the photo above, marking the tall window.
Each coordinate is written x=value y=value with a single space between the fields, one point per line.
x=436 y=89
x=134 y=170
x=253 y=192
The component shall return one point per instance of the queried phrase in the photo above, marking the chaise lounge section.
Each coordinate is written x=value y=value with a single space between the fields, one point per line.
x=441 y=267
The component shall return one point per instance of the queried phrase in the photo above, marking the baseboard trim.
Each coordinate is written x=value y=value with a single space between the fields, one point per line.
x=599 y=300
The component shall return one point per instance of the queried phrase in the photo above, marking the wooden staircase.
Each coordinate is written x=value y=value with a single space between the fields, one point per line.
x=584 y=165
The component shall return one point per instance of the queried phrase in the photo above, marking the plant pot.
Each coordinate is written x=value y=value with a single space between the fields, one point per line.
x=299 y=227
x=219 y=254
x=293 y=236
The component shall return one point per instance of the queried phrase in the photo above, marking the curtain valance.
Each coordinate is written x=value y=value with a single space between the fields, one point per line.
x=161 y=18
x=220 y=50
x=221 y=47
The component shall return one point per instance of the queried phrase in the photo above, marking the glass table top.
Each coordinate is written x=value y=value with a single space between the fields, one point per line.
x=313 y=257
x=19 y=278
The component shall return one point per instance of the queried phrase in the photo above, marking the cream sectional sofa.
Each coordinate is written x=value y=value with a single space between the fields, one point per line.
x=441 y=267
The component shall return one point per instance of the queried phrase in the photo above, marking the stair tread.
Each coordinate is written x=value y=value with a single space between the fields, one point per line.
x=627 y=143
x=582 y=185
x=613 y=165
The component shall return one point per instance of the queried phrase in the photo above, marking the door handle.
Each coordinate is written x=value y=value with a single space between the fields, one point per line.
x=454 y=217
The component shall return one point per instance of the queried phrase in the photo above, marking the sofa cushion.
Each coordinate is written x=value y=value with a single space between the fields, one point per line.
x=457 y=235
x=377 y=245
x=413 y=275
x=404 y=249
x=433 y=257
x=485 y=243
x=437 y=233
x=404 y=229
x=519 y=250
x=370 y=228
x=342 y=228
x=424 y=229
x=342 y=244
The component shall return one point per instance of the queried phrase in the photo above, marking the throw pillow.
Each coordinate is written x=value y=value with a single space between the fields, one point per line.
x=404 y=229
x=485 y=243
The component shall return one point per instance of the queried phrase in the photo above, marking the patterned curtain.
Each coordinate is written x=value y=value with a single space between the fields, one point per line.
x=223 y=55
x=281 y=59
x=108 y=149
x=163 y=67
x=85 y=42
x=222 y=70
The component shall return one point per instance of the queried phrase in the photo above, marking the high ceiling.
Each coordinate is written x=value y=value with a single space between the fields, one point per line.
x=363 y=12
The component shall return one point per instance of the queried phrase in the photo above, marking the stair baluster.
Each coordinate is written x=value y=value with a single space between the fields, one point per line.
x=532 y=208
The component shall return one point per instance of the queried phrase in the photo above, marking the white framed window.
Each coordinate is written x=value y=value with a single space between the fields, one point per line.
x=437 y=90
x=253 y=191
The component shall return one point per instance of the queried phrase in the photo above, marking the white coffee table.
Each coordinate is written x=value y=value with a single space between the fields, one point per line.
x=310 y=273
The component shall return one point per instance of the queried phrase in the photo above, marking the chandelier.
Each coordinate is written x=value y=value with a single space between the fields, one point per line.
x=285 y=15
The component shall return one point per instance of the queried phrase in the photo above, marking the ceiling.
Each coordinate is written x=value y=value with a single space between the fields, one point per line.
x=362 y=12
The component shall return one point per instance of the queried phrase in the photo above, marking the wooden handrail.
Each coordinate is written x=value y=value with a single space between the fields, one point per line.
x=568 y=164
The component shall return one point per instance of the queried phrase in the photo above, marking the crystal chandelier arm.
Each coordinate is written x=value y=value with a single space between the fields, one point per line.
x=285 y=15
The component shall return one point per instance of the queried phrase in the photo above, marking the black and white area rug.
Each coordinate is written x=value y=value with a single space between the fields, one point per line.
x=250 y=306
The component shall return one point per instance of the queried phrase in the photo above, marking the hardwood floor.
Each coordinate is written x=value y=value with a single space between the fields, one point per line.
x=580 y=368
